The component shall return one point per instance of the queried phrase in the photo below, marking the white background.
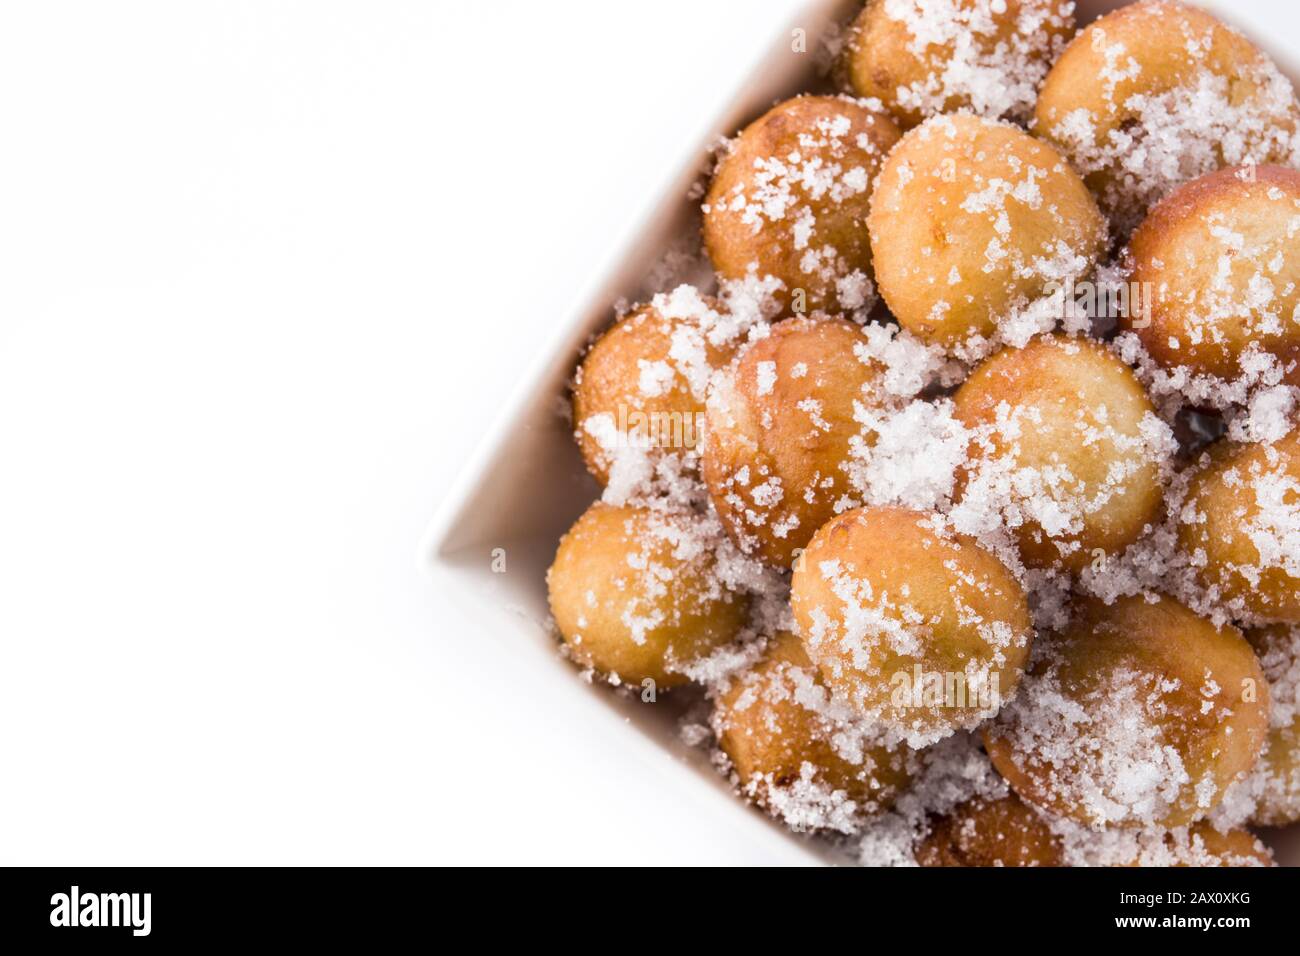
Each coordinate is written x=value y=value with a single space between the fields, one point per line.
x=267 y=270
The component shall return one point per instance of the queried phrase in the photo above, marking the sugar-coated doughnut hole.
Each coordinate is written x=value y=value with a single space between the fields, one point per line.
x=1221 y=258
x=1200 y=845
x=973 y=220
x=1070 y=443
x=789 y=200
x=990 y=832
x=796 y=754
x=1141 y=713
x=1275 y=784
x=923 y=631
x=1157 y=93
x=780 y=426
x=1240 y=528
x=922 y=57
x=634 y=595
x=642 y=385
x=1238 y=847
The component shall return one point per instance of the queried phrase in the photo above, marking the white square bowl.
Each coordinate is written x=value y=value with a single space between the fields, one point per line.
x=526 y=483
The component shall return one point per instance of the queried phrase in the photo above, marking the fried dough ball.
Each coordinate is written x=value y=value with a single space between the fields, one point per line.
x=1209 y=847
x=922 y=57
x=799 y=756
x=982 y=832
x=634 y=594
x=1221 y=256
x=1275 y=784
x=1199 y=845
x=1158 y=93
x=790 y=199
x=780 y=424
x=643 y=383
x=1070 y=443
x=924 y=632
x=1240 y=528
x=973 y=220
x=1141 y=713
